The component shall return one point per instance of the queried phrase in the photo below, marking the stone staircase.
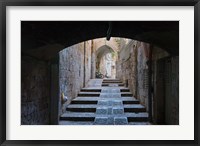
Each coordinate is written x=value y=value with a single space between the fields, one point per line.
x=110 y=104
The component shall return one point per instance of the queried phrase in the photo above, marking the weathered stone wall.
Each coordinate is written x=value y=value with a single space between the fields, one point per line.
x=166 y=87
x=35 y=85
x=142 y=73
x=74 y=69
x=88 y=62
x=133 y=70
x=158 y=98
x=126 y=68
x=71 y=70
x=172 y=91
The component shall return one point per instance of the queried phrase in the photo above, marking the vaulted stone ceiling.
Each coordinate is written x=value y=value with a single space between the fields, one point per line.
x=39 y=34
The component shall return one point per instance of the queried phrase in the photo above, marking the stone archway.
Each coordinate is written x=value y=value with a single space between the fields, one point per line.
x=105 y=61
x=39 y=36
x=103 y=51
x=41 y=42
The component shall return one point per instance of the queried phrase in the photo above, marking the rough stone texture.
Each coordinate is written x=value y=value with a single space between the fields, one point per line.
x=102 y=110
x=166 y=87
x=35 y=95
x=132 y=68
x=74 y=69
x=88 y=60
x=142 y=74
x=172 y=91
x=120 y=121
x=118 y=110
x=101 y=121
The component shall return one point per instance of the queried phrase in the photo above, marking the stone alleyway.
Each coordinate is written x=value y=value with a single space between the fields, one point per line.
x=63 y=56
x=105 y=102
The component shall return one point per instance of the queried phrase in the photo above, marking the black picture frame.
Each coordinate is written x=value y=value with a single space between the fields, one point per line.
x=5 y=3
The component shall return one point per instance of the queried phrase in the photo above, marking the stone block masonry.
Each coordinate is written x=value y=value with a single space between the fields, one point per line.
x=142 y=73
x=133 y=70
x=74 y=69
x=34 y=95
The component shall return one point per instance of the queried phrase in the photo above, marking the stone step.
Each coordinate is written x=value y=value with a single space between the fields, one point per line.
x=89 y=94
x=103 y=120
x=86 y=98
x=137 y=117
x=63 y=122
x=76 y=109
x=84 y=102
x=126 y=94
x=126 y=99
x=112 y=104
x=139 y=123
x=142 y=114
x=77 y=116
x=111 y=80
x=112 y=84
x=124 y=90
x=90 y=90
x=81 y=107
x=134 y=108
x=96 y=101
x=131 y=102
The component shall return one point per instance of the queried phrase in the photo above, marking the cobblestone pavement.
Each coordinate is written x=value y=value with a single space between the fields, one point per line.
x=105 y=102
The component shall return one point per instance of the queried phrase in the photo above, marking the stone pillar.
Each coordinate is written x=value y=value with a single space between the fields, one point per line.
x=93 y=61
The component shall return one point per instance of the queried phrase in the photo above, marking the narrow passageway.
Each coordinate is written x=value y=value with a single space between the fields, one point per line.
x=105 y=102
x=78 y=74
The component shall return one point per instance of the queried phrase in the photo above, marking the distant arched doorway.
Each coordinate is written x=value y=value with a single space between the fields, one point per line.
x=105 y=61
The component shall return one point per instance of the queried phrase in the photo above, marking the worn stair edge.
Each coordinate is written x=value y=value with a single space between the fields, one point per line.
x=86 y=98
x=110 y=85
x=137 y=119
x=108 y=79
x=128 y=98
x=108 y=82
x=88 y=94
x=131 y=102
x=126 y=94
x=90 y=90
x=124 y=90
x=84 y=102
x=79 y=109
x=139 y=123
x=77 y=118
x=63 y=122
x=136 y=110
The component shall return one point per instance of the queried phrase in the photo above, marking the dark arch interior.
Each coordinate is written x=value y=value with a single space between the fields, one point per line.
x=38 y=34
x=42 y=69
